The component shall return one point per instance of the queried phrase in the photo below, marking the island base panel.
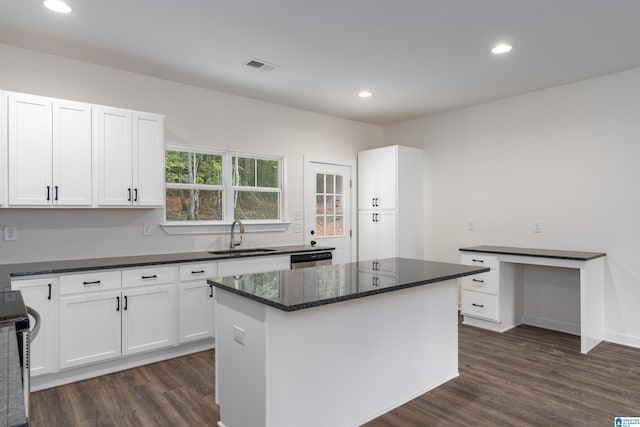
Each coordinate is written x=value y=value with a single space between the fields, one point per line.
x=339 y=364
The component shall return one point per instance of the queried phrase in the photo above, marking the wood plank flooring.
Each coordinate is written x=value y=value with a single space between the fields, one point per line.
x=525 y=377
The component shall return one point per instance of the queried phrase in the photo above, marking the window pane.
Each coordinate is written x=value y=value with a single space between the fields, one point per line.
x=267 y=173
x=319 y=183
x=320 y=226
x=339 y=207
x=329 y=227
x=330 y=184
x=244 y=171
x=208 y=169
x=339 y=226
x=330 y=205
x=256 y=205
x=176 y=170
x=194 y=205
x=320 y=205
x=339 y=184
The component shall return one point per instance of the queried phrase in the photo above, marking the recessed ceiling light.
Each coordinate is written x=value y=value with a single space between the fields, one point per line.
x=501 y=48
x=57 y=6
x=365 y=94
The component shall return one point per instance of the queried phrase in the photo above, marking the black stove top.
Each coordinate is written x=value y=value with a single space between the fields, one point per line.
x=13 y=310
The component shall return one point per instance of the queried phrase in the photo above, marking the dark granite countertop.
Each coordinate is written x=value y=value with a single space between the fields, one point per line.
x=291 y=290
x=542 y=253
x=12 y=411
x=8 y=271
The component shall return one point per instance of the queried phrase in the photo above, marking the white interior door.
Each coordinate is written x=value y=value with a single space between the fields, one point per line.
x=327 y=207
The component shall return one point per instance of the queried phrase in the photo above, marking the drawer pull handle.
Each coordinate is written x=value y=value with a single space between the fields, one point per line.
x=155 y=276
x=478 y=305
x=95 y=282
x=478 y=280
x=197 y=272
x=477 y=260
x=49 y=285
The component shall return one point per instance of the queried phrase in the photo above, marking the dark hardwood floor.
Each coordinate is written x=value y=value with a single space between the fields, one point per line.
x=525 y=377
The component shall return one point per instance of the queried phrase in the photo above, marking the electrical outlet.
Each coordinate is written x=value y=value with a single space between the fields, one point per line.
x=238 y=334
x=471 y=226
x=536 y=226
x=147 y=229
x=10 y=232
x=297 y=215
x=297 y=227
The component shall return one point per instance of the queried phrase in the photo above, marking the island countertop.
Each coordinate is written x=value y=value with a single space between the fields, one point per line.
x=292 y=290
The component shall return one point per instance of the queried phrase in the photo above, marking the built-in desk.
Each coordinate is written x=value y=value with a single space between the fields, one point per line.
x=494 y=300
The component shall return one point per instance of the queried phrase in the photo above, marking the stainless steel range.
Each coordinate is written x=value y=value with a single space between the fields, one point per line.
x=14 y=360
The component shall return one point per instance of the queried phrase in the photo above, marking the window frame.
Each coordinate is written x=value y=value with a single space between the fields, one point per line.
x=228 y=191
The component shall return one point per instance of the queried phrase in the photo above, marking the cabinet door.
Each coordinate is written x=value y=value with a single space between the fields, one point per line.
x=29 y=132
x=112 y=135
x=367 y=236
x=148 y=159
x=41 y=295
x=387 y=178
x=3 y=148
x=197 y=305
x=148 y=318
x=367 y=179
x=71 y=154
x=89 y=327
x=387 y=236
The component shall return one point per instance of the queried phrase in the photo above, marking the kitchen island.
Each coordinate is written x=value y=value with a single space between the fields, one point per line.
x=334 y=345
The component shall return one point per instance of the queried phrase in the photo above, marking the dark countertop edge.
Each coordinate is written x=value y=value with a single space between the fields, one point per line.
x=538 y=253
x=298 y=307
x=73 y=266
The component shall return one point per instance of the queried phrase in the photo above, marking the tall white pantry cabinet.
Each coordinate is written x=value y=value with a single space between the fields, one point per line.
x=390 y=203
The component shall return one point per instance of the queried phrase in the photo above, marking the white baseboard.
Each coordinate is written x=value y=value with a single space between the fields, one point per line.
x=79 y=373
x=554 y=325
x=627 y=340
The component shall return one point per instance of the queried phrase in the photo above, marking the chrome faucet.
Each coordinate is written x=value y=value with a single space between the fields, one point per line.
x=235 y=242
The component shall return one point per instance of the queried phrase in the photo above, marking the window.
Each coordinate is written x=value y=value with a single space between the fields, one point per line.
x=208 y=186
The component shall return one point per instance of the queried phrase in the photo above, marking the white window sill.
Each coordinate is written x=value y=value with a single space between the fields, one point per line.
x=256 y=227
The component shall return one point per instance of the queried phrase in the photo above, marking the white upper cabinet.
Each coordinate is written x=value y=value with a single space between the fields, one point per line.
x=148 y=155
x=130 y=157
x=3 y=148
x=49 y=151
x=377 y=178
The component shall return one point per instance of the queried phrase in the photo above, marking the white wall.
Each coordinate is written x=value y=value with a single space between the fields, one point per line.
x=194 y=116
x=567 y=156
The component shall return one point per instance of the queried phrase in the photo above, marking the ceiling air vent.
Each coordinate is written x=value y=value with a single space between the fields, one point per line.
x=262 y=65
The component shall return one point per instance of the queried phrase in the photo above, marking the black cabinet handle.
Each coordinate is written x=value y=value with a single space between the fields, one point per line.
x=197 y=272
x=477 y=260
x=211 y=289
x=478 y=305
x=56 y=196
x=118 y=302
x=126 y=302
x=49 y=285
x=155 y=276
x=96 y=282
x=377 y=202
x=135 y=198
x=373 y=201
x=477 y=280
x=48 y=192
x=129 y=198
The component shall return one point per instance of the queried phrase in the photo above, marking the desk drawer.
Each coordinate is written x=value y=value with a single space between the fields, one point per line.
x=149 y=276
x=90 y=282
x=477 y=304
x=480 y=260
x=483 y=282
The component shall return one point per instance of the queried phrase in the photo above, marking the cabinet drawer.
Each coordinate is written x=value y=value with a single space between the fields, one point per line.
x=489 y=261
x=483 y=282
x=201 y=270
x=90 y=282
x=149 y=276
x=477 y=304
x=254 y=265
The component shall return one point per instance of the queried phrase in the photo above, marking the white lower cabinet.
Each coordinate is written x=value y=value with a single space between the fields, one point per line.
x=42 y=295
x=196 y=300
x=148 y=318
x=90 y=327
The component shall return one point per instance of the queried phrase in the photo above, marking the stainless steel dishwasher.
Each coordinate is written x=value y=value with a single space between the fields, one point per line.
x=312 y=259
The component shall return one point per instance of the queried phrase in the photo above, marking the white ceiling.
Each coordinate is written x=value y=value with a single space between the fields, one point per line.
x=418 y=57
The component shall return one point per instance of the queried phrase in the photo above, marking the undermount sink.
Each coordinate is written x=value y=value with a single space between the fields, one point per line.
x=241 y=251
